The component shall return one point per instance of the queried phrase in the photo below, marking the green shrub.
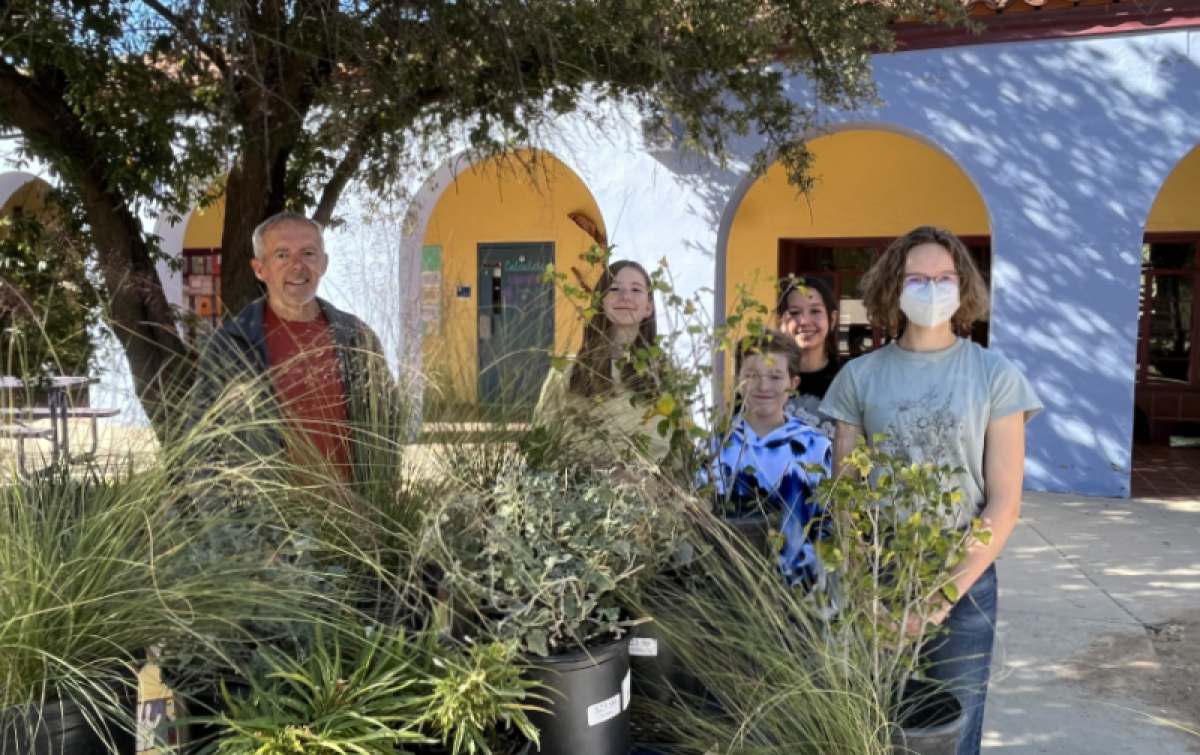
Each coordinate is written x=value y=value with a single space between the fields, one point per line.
x=545 y=558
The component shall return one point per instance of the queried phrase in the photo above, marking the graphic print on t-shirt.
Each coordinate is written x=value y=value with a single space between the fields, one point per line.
x=933 y=407
x=925 y=429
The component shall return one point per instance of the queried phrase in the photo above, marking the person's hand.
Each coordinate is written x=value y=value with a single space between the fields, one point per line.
x=916 y=623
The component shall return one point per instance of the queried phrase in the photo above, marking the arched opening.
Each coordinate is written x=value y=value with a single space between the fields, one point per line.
x=48 y=302
x=872 y=186
x=1168 y=367
x=487 y=319
x=27 y=198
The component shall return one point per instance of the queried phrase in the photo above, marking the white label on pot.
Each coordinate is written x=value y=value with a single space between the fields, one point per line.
x=643 y=646
x=604 y=711
x=625 y=691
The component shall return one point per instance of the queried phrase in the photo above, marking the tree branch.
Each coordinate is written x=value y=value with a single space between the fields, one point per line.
x=345 y=170
x=190 y=34
x=357 y=149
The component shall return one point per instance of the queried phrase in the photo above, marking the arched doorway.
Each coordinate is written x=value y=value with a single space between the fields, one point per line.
x=1168 y=367
x=872 y=186
x=488 y=321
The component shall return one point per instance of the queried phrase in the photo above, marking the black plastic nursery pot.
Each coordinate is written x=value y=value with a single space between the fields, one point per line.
x=753 y=532
x=60 y=727
x=587 y=701
x=931 y=720
x=658 y=673
x=195 y=736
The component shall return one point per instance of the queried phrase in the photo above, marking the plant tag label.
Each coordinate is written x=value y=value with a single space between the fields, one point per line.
x=645 y=647
x=625 y=691
x=605 y=710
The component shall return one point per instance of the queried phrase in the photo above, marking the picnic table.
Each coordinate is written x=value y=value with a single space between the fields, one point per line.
x=58 y=411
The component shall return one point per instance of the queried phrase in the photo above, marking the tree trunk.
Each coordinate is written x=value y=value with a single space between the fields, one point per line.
x=247 y=203
x=139 y=315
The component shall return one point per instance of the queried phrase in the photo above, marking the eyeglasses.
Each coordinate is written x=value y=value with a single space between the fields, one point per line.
x=918 y=280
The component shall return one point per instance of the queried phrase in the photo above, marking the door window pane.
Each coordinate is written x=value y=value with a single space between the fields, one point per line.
x=855 y=332
x=859 y=258
x=1169 y=330
x=1169 y=256
x=815 y=259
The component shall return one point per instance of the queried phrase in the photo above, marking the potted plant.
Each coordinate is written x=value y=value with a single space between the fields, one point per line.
x=781 y=672
x=94 y=571
x=771 y=681
x=893 y=548
x=547 y=560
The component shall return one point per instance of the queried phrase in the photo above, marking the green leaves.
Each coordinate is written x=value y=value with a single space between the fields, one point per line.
x=545 y=558
x=48 y=301
x=893 y=544
x=369 y=691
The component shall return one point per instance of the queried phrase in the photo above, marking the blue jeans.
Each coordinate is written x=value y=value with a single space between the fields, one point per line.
x=963 y=657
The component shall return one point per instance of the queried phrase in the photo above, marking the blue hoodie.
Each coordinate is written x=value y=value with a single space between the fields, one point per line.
x=770 y=474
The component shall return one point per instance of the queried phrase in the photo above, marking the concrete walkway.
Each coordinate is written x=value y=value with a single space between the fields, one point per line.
x=1079 y=580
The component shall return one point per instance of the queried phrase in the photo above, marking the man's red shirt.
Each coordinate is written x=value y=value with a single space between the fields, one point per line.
x=307 y=377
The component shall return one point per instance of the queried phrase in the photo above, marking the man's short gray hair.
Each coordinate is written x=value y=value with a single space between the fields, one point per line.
x=284 y=217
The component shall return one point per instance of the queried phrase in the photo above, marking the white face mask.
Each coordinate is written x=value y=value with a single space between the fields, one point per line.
x=929 y=305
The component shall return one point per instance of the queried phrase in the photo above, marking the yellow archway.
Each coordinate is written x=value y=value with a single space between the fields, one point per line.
x=206 y=226
x=29 y=199
x=497 y=201
x=870 y=185
x=1176 y=209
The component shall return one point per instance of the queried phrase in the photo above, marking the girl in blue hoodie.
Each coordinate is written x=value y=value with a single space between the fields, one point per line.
x=763 y=465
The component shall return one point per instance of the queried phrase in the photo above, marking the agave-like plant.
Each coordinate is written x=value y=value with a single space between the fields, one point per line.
x=370 y=690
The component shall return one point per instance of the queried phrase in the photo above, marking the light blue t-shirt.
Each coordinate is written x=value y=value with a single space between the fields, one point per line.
x=933 y=407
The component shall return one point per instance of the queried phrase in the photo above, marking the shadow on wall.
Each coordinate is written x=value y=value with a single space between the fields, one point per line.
x=1069 y=143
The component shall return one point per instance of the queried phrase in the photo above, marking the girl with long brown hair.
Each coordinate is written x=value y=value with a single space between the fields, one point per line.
x=934 y=397
x=603 y=397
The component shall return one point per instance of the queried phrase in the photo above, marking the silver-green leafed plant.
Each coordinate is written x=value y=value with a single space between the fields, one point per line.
x=545 y=558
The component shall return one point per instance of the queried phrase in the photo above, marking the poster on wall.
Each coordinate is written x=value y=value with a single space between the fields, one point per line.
x=431 y=290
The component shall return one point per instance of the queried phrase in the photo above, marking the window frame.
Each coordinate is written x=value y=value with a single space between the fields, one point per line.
x=1147 y=275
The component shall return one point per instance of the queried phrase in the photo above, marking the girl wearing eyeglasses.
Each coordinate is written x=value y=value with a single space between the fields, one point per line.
x=935 y=397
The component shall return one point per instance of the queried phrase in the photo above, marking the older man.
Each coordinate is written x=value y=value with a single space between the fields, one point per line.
x=292 y=372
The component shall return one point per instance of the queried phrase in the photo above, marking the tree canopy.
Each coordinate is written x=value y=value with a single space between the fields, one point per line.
x=139 y=106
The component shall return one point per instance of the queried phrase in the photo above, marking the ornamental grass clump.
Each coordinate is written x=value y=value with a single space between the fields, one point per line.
x=97 y=565
x=760 y=653
x=781 y=672
x=546 y=559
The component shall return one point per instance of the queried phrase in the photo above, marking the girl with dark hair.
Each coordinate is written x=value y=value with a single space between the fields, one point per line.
x=609 y=398
x=933 y=397
x=808 y=312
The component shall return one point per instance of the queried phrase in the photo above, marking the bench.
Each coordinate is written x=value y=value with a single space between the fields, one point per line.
x=83 y=412
x=21 y=433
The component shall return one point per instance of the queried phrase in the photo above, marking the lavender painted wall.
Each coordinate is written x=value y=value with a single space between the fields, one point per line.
x=1069 y=143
